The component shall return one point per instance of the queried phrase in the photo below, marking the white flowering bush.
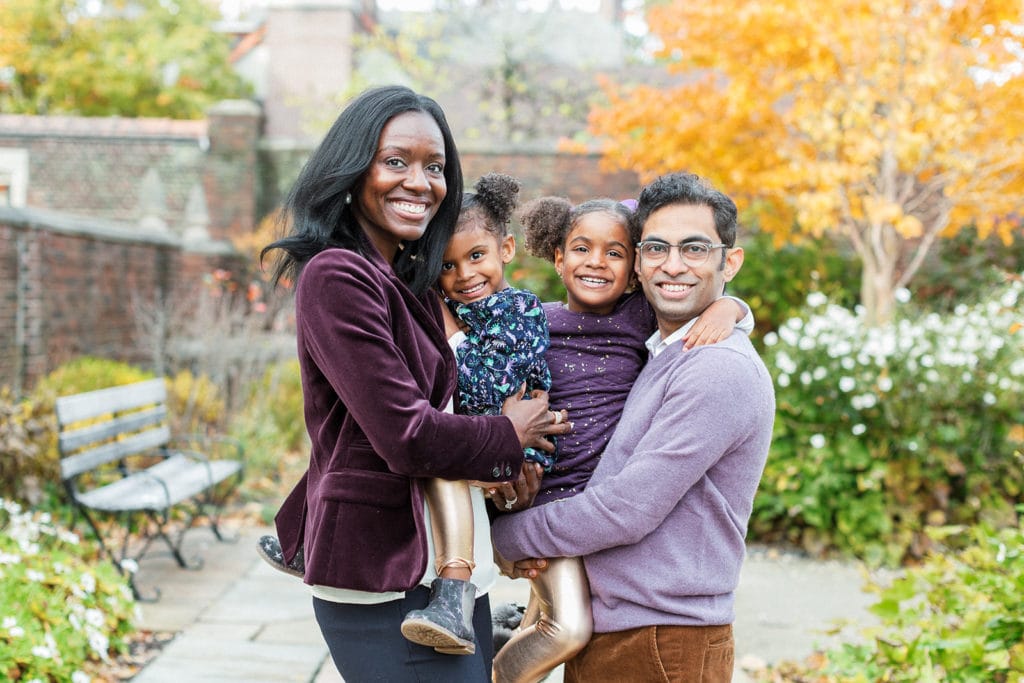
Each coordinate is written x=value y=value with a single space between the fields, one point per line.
x=882 y=432
x=62 y=610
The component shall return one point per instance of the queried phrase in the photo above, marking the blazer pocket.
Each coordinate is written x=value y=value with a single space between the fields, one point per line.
x=366 y=535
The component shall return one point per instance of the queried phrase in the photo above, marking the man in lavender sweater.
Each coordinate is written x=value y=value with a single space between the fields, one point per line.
x=662 y=522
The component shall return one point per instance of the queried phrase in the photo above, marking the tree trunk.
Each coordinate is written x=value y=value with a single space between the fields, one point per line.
x=877 y=290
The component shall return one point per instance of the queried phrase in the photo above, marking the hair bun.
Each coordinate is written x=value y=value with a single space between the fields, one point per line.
x=499 y=194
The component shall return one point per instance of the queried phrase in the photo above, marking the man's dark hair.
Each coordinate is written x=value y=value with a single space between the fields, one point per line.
x=690 y=190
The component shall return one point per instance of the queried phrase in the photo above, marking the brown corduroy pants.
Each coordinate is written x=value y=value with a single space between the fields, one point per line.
x=680 y=654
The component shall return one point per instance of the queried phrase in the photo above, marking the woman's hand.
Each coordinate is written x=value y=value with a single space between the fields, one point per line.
x=517 y=495
x=532 y=419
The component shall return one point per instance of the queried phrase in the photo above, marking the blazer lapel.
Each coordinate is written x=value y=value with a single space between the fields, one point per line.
x=425 y=310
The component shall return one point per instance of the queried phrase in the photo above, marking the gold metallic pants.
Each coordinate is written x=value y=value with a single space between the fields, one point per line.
x=556 y=625
x=451 y=523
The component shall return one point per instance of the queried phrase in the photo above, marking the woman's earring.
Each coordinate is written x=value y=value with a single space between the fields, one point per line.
x=348 y=197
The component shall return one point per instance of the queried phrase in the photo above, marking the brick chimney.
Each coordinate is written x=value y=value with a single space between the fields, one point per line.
x=309 y=64
x=230 y=181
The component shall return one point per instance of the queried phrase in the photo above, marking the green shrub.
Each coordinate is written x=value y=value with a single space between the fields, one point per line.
x=86 y=373
x=881 y=432
x=277 y=398
x=776 y=279
x=956 y=618
x=961 y=266
x=271 y=425
x=62 y=610
x=537 y=275
x=21 y=432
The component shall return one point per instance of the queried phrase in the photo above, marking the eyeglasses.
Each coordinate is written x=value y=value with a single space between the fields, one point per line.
x=694 y=253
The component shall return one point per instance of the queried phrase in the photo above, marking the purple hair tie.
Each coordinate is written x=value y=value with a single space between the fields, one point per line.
x=629 y=204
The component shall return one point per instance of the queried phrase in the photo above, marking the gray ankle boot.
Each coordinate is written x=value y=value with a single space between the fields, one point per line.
x=446 y=623
x=269 y=548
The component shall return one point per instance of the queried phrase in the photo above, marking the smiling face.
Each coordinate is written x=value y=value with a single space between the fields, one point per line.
x=474 y=263
x=404 y=185
x=596 y=263
x=678 y=291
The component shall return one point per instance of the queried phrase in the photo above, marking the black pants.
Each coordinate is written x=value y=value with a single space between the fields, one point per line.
x=366 y=643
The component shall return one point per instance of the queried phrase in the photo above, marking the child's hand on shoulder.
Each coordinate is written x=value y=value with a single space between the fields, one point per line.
x=715 y=324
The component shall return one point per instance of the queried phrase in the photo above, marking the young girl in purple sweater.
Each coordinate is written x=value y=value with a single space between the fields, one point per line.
x=596 y=352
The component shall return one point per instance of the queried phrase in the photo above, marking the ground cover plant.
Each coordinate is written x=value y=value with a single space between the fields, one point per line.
x=958 y=617
x=63 y=610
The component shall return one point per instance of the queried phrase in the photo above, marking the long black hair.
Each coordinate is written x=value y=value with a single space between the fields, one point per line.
x=316 y=212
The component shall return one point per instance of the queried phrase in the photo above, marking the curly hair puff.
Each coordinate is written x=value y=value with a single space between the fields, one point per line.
x=546 y=222
x=549 y=220
x=492 y=205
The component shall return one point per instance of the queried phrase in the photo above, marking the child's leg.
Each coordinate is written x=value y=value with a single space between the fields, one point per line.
x=451 y=525
x=563 y=628
x=446 y=624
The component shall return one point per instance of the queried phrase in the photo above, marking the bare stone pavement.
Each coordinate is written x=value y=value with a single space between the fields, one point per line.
x=237 y=620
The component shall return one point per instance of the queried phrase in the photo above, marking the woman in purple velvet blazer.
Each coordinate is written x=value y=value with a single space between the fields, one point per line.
x=369 y=217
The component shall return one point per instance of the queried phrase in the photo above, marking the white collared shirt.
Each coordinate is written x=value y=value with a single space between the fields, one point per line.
x=655 y=344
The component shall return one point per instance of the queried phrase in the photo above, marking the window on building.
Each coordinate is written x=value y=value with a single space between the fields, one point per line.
x=13 y=176
x=5 y=188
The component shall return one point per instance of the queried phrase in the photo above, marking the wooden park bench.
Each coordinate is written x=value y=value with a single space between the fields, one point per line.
x=120 y=460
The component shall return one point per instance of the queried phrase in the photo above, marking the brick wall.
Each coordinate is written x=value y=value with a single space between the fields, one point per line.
x=94 y=166
x=76 y=256
x=574 y=176
x=69 y=287
x=10 y=351
x=231 y=168
x=131 y=169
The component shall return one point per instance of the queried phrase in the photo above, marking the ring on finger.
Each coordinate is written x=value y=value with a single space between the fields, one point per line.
x=509 y=502
x=556 y=417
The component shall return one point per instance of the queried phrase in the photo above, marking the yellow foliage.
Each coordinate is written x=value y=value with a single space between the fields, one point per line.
x=836 y=115
x=195 y=401
x=909 y=226
x=266 y=232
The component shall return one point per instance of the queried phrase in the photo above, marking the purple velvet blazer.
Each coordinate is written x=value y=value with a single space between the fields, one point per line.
x=377 y=374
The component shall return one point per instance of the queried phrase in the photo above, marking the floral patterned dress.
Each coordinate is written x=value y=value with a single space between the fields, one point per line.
x=504 y=347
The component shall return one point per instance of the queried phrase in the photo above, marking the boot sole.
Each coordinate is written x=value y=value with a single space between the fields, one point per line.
x=423 y=632
x=283 y=568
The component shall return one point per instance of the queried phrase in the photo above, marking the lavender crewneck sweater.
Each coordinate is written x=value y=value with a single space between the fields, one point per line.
x=661 y=525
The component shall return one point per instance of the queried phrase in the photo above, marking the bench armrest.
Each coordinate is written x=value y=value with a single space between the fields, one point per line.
x=198 y=457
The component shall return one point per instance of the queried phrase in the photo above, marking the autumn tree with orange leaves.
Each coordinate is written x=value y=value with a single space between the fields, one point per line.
x=890 y=123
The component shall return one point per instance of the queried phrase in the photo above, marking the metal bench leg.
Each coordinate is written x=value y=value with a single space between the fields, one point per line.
x=117 y=559
x=174 y=545
x=209 y=499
